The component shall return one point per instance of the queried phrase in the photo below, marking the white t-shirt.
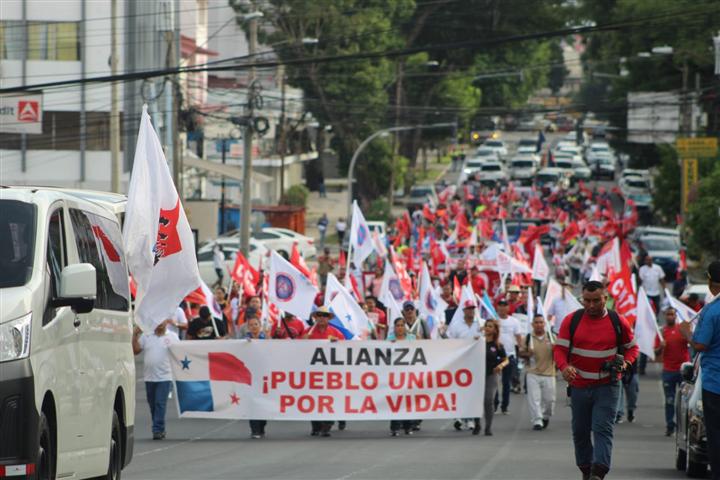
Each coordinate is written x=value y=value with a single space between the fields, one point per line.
x=156 y=356
x=561 y=308
x=509 y=328
x=461 y=329
x=180 y=318
x=650 y=277
x=218 y=258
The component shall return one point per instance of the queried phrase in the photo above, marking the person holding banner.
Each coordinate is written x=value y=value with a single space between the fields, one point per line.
x=537 y=349
x=156 y=370
x=254 y=332
x=400 y=334
x=322 y=330
x=495 y=362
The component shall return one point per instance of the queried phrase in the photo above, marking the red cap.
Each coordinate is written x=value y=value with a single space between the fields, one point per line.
x=468 y=304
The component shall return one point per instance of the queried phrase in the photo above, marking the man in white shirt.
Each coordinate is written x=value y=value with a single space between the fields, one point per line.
x=156 y=370
x=179 y=324
x=340 y=227
x=469 y=327
x=219 y=265
x=652 y=277
x=510 y=338
x=561 y=307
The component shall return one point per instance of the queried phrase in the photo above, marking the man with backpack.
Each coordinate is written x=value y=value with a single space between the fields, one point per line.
x=593 y=349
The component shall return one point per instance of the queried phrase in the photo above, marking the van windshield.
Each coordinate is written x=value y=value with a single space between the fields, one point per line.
x=17 y=241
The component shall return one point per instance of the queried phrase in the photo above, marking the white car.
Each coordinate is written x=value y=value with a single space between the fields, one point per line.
x=486 y=153
x=634 y=172
x=551 y=176
x=306 y=245
x=656 y=231
x=472 y=165
x=527 y=151
x=493 y=171
x=67 y=370
x=631 y=185
x=580 y=170
x=523 y=168
x=230 y=246
x=498 y=146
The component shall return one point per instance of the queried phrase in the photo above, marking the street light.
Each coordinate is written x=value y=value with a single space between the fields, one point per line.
x=380 y=133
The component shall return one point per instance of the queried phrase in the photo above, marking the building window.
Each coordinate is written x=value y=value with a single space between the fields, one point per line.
x=11 y=39
x=45 y=40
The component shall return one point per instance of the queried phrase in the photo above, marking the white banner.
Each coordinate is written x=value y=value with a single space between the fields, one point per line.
x=323 y=380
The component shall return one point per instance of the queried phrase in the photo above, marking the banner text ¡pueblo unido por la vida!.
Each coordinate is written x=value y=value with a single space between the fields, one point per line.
x=316 y=379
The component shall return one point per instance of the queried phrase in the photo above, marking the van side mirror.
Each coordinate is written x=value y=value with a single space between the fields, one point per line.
x=78 y=288
x=687 y=372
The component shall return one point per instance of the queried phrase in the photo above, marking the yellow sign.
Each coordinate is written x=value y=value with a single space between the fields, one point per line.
x=689 y=179
x=699 y=147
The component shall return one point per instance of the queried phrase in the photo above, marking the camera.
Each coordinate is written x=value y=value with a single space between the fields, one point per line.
x=614 y=367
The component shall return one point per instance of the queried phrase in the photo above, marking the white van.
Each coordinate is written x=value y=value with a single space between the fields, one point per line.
x=67 y=373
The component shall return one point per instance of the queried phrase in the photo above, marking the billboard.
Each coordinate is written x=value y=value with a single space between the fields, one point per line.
x=21 y=113
x=653 y=117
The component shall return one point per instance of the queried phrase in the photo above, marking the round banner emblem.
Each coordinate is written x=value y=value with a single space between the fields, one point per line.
x=395 y=289
x=284 y=287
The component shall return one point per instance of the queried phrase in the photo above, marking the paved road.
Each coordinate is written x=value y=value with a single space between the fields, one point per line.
x=196 y=449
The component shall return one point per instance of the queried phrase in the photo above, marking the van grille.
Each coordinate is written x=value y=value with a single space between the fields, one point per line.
x=11 y=435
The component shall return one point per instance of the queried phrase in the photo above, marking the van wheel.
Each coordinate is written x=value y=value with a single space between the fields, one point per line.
x=45 y=463
x=116 y=446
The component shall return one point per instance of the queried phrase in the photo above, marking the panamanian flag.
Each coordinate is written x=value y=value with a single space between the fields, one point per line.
x=212 y=383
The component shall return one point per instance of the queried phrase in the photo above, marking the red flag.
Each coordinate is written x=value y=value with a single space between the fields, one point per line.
x=457 y=292
x=298 y=262
x=462 y=226
x=342 y=260
x=570 y=233
x=620 y=288
x=683 y=263
x=428 y=213
x=245 y=275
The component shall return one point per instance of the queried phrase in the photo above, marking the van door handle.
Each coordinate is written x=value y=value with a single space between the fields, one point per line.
x=76 y=322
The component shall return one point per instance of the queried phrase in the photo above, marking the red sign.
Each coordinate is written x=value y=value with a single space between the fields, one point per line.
x=28 y=111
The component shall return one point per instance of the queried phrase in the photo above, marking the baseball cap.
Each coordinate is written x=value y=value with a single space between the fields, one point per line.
x=323 y=310
x=408 y=305
x=468 y=304
x=502 y=301
x=514 y=288
x=713 y=271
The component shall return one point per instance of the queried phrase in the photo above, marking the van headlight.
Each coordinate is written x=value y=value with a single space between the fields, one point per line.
x=15 y=338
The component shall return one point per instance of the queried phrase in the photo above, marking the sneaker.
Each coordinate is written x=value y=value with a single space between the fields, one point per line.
x=506 y=412
x=158 y=435
x=394 y=433
x=416 y=428
x=488 y=433
x=409 y=431
x=631 y=416
x=619 y=420
x=341 y=425
x=546 y=422
x=325 y=434
x=314 y=433
x=537 y=427
x=255 y=436
x=669 y=432
x=457 y=425
x=476 y=430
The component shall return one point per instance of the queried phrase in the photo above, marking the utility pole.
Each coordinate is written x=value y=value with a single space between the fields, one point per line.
x=222 y=189
x=114 y=113
x=282 y=132
x=396 y=137
x=247 y=141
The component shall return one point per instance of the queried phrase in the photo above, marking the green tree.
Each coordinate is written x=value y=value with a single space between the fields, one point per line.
x=703 y=221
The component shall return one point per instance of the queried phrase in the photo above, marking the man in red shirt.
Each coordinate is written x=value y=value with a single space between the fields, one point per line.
x=289 y=327
x=594 y=389
x=674 y=349
x=322 y=330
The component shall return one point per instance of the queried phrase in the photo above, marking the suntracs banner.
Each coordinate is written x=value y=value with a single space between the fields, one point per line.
x=323 y=380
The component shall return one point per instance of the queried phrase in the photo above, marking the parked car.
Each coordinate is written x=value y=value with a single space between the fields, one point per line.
x=656 y=231
x=550 y=176
x=419 y=195
x=473 y=165
x=306 y=245
x=230 y=246
x=634 y=172
x=630 y=185
x=493 y=171
x=498 y=146
x=523 y=169
x=580 y=170
x=691 y=448
x=603 y=167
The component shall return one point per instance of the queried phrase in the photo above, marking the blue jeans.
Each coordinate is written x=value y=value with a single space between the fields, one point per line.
x=629 y=392
x=593 y=411
x=507 y=376
x=670 y=380
x=157 y=396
